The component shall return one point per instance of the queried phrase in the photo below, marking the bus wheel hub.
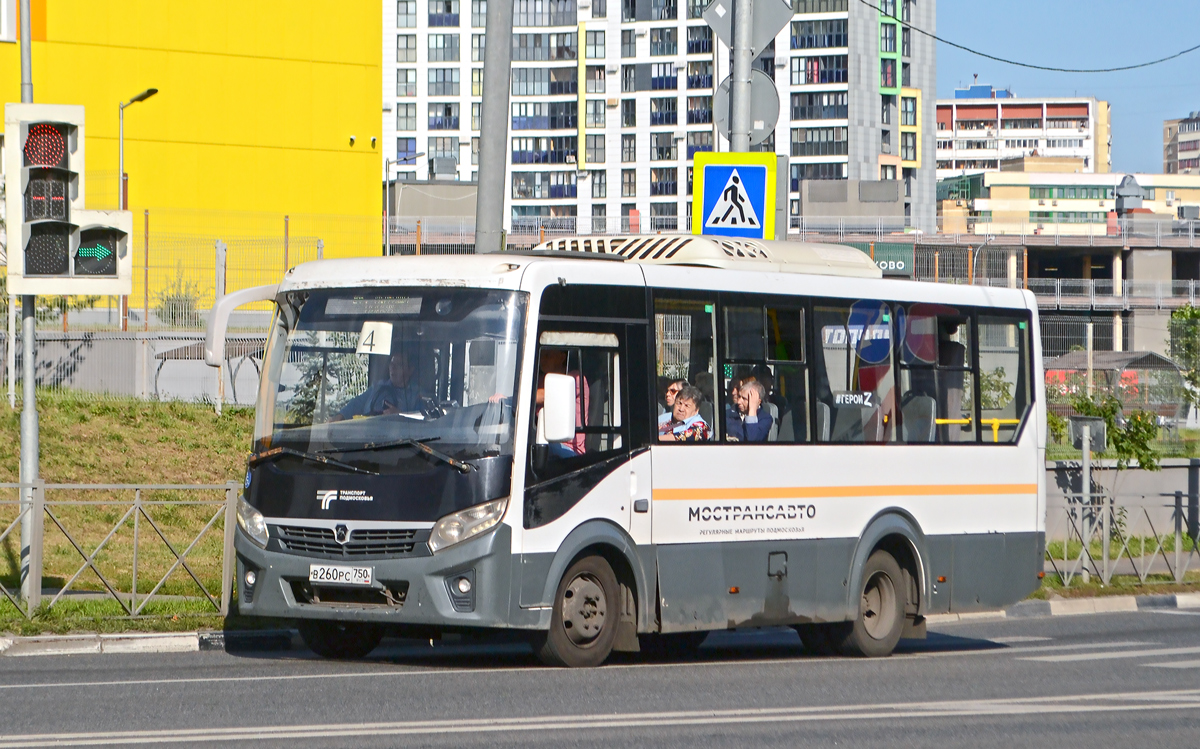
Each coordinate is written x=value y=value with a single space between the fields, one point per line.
x=583 y=609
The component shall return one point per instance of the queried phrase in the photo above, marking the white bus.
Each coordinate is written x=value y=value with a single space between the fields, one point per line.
x=465 y=443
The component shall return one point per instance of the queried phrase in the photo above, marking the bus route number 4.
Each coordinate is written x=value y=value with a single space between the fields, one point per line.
x=375 y=338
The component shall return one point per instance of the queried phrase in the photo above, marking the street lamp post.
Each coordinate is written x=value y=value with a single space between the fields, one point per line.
x=122 y=198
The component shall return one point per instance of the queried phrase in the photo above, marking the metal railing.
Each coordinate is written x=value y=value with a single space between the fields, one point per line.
x=138 y=513
x=1081 y=293
x=1103 y=536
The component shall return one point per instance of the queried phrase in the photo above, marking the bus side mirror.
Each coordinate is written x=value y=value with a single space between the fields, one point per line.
x=218 y=318
x=558 y=415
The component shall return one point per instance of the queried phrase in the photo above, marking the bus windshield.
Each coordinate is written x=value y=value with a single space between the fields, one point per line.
x=358 y=374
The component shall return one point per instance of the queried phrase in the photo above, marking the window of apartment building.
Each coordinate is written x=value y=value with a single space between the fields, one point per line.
x=406 y=82
x=664 y=42
x=443 y=116
x=819 y=106
x=406 y=116
x=406 y=48
x=479 y=14
x=664 y=111
x=599 y=187
x=628 y=79
x=906 y=42
x=699 y=40
x=476 y=81
x=663 y=10
x=599 y=8
x=888 y=7
x=476 y=116
x=478 y=43
x=815 y=171
x=406 y=150
x=595 y=149
x=662 y=147
x=664 y=181
x=887 y=37
x=905 y=74
x=887 y=73
x=906 y=10
x=628 y=43
x=530 y=81
x=907 y=174
x=887 y=171
x=628 y=113
x=475 y=153
x=541 y=47
x=699 y=110
x=818 y=34
x=564 y=81
x=443 y=13
x=628 y=183
x=699 y=75
x=628 y=11
x=594 y=113
x=664 y=216
x=545 y=13
x=599 y=213
x=443 y=47
x=628 y=148
x=886 y=102
x=594 y=45
x=1064 y=143
x=908 y=110
x=595 y=79
x=443 y=148
x=530 y=116
x=406 y=14
x=820 y=6
x=820 y=69
x=695 y=9
x=908 y=146
x=688 y=179
x=697 y=142
x=975 y=145
x=525 y=150
x=885 y=141
x=945 y=144
x=819 y=141
x=443 y=82
x=662 y=77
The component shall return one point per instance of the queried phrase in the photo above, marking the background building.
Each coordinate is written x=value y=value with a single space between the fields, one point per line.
x=610 y=101
x=1181 y=145
x=980 y=127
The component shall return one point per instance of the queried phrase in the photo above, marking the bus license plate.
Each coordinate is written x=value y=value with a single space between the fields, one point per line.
x=336 y=574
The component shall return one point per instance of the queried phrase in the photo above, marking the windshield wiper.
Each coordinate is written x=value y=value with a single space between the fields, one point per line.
x=276 y=452
x=460 y=465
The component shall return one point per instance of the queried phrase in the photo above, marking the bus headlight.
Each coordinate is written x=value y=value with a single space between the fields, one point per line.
x=464 y=524
x=252 y=522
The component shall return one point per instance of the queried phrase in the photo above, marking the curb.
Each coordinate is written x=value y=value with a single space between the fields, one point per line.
x=1074 y=607
x=151 y=642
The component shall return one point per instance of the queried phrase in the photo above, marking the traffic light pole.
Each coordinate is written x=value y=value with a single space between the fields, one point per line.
x=739 y=89
x=31 y=590
x=493 y=141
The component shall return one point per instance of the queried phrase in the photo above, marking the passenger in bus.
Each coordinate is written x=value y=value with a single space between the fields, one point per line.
x=672 y=390
x=399 y=393
x=554 y=361
x=752 y=422
x=687 y=425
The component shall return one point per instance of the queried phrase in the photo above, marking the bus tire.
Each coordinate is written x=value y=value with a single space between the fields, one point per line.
x=876 y=630
x=583 y=623
x=340 y=640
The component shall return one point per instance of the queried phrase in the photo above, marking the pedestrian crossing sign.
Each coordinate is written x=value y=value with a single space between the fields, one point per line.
x=733 y=194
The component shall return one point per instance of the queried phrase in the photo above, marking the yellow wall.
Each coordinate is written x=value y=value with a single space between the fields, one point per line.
x=257 y=102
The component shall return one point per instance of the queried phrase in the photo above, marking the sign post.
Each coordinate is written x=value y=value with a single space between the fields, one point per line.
x=733 y=195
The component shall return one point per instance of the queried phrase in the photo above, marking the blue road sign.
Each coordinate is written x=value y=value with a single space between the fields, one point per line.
x=735 y=200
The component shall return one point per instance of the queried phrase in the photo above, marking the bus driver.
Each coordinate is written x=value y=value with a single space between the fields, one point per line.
x=399 y=393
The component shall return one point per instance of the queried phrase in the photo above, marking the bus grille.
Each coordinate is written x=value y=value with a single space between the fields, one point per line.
x=362 y=543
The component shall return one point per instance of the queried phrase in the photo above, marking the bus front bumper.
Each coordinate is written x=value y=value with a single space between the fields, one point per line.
x=414 y=590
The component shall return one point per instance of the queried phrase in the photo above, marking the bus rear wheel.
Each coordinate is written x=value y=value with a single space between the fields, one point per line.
x=340 y=640
x=583 y=625
x=876 y=630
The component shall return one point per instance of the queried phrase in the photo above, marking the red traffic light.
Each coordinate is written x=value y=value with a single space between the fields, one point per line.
x=45 y=145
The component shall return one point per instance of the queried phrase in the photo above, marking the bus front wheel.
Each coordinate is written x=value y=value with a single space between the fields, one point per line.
x=876 y=630
x=341 y=640
x=583 y=625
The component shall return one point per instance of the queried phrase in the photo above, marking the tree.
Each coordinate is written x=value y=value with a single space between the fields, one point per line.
x=1129 y=438
x=1183 y=345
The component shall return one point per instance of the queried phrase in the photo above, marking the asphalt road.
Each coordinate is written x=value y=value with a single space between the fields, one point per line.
x=1094 y=681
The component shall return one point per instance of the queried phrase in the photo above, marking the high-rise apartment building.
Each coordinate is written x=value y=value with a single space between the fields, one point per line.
x=981 y=127
x=1181 y=145
x=611 y=99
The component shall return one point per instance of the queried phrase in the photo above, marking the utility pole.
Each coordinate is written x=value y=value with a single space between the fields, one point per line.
x=739 y=90
x=31 y=590
x=493 y=140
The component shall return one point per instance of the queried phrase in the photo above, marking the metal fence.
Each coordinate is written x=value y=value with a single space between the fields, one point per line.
x=1100 y=536
x=129 y=543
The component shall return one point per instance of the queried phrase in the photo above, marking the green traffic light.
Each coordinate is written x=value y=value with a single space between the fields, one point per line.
x=99 y=252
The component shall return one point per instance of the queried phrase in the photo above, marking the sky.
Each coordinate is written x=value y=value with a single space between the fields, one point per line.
x=1078 y=34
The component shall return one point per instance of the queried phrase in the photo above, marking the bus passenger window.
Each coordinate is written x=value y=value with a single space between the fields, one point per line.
x=763 y=374
x=854 y=382
x=683 y=348
x=936 y=388
x=1005 y=393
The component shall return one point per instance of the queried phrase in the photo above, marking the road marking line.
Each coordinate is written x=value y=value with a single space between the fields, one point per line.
x=1031 y=649
x=1014 y=640
x=1112 y=656
x=1176 y=613
x=1187 y=699
x=1174 y=664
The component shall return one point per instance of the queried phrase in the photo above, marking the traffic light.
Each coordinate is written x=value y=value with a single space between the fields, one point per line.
x=55 y=245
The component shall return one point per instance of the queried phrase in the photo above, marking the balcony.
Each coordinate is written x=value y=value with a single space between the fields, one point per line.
x=558 y=192
x=699 y=81
x=443 y=123
x=692 y=151
x=443 y=19
x=664 y=83
x=664 y=188
x=699 y=46
x=699 y=116
x=664 y=118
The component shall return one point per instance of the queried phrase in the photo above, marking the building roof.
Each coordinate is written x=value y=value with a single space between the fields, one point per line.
x=1114 y=361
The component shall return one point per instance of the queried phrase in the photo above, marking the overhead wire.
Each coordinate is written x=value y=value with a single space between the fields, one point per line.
x=935 y=37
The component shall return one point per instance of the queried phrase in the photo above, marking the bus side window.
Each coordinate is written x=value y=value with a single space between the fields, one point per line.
x=1005 y=390
x=765 y=343
x=936 y=357
x=684 y=350
x=853 y=381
